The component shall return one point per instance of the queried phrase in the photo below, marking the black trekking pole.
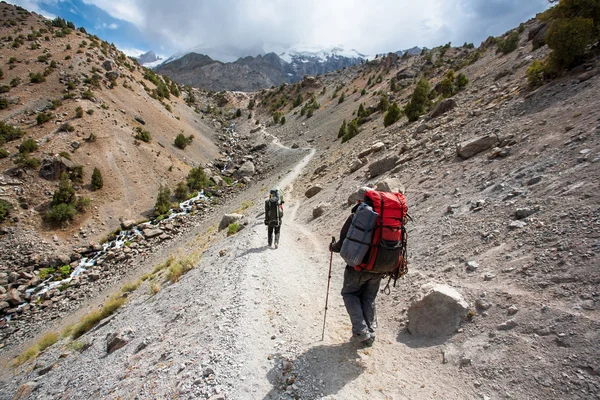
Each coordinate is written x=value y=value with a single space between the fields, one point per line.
x=328 y=280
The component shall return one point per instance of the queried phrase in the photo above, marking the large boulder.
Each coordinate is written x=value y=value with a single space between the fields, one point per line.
x=442 y=108
x=247 y=169
x=313 y=191
x=469 y=149
x=320 y=209
x=392 y=185
x=229 y=219
x=438 y=313
x=116 y=340
x=358 y=164
x=217 y=180
x=54 y=166
x=382 y=166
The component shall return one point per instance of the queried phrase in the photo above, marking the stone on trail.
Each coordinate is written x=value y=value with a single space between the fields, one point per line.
x=320 y=209
x=229 y=219
x=313 y=191
x=438 y=313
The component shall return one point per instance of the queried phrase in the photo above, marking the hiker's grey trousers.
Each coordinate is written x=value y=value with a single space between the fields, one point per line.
x=359 y=293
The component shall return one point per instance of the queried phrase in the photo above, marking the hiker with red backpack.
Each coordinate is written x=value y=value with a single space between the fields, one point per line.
x=373 y=244
x=273 y=215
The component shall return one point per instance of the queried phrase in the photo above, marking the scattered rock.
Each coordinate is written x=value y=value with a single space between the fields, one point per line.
x=313 y=191
x=438 y=313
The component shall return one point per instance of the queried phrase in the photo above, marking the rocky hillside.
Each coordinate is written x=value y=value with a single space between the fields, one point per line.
x=250 y=74
x=501 y=181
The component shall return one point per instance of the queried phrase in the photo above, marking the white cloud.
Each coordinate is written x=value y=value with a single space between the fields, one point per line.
x=127 y=10
x=242 y=27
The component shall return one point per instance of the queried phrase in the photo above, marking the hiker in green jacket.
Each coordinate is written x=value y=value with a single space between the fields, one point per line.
x=273 y=215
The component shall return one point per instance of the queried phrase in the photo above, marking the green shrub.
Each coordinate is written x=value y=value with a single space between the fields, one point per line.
x=43 y=117
x=462 y=81
x=5 y=208
x=509 y=44
x=535 y=74
x=28 y=146
x=76 y=174
x=181 y=191
x=61 y=213
x=419 y=101
x=65 y=194
x=352 y=131
x=46 y=272
x=4 y=153
x=383 y=104
x=143 y=135
x=9 y=133
x=233 y=228
x=97 y=181
x=25 y=161
x=342 y=98
x=393 y=114
x=65 y=154
x=15 y=82
x=197 y=179
x=343 y=130
x=3 y=103
x=163 y=200
x=87 y=95
x=570 y=38
x=37 y=77
x=65 y=271
x=182 y=142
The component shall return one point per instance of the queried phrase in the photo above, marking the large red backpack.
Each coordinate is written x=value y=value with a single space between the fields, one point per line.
x=388 y=246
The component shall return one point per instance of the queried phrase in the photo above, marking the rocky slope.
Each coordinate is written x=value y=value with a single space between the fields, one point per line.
x=502 y=191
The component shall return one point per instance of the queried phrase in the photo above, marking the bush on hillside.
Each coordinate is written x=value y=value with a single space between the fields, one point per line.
x=343 y=130
x=143 y=135
x=163 y=200
x=509 y=44
x=197 y=179
x=28 y=146
x=181 y=141
x=419 y=101
x=181 y=191
x=570 y=40
x=97 y=182
x=43 y=118
x=352 y=131
x=5 y=208
x=393 y=114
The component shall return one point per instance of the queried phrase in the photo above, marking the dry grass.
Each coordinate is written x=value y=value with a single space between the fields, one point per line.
x=154 y=288
x=180 y=268
x=166 y=264
x=130 y=287
x=90 y=320
x=32 y=352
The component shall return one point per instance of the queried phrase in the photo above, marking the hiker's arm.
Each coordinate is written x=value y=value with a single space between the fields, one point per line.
x=266 y=211
x=337 y=246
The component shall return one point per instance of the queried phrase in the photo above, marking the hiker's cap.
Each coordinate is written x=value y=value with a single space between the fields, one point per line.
x=360 y=194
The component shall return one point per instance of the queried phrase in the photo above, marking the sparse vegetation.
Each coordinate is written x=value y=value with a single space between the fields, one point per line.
x=163 y=200
x=233 y=228
x=419 y=102
x=97 y=182
x=90 y=320
x=142 y=135
x=43 y=117
x=5 y=208
x=182 y=142
x=28 y=146
x=393 y=114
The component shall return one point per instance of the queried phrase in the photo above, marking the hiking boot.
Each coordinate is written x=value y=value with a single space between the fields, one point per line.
x=276 y=245
x=360 y=337
x=369 y=341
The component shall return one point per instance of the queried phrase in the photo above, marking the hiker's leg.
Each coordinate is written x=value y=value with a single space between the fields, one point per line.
x=277 y=229
x=270 y=235
x=367 y=299
x=351 y=292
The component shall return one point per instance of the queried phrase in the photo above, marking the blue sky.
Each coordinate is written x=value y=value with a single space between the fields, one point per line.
x=227 y=29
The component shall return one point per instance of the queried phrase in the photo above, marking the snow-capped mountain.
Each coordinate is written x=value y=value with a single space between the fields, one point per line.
x=277 y=65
